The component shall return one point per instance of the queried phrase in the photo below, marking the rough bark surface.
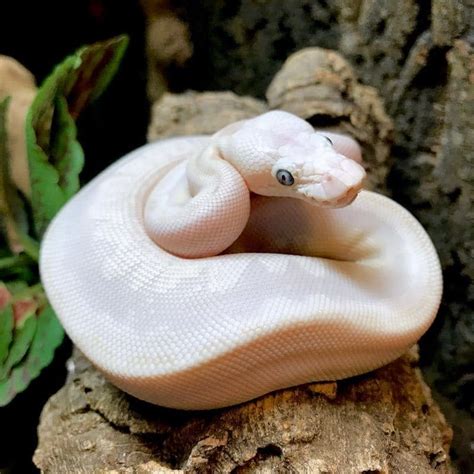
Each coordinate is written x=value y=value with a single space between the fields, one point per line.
x=199 y=113
x=385 y=421
x=419 y=56
x=382 y=422
x=168 y=45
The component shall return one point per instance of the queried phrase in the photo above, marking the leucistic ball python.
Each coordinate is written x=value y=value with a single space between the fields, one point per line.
x=200 y=272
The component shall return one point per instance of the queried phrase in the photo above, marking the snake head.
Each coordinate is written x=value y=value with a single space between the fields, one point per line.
x=279 y=154
x=308 y=167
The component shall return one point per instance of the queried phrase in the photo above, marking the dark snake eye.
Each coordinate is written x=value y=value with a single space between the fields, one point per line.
x=285 y=177
x=329 y=140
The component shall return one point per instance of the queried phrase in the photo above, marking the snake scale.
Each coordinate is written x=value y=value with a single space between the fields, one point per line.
x=200 y=272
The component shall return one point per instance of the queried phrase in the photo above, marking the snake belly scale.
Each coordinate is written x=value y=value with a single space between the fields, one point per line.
x=200 y=272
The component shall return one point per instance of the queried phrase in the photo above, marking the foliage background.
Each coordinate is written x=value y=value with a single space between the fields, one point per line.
x=40 y=35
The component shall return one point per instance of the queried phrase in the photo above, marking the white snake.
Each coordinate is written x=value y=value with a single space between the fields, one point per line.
x=189 y=291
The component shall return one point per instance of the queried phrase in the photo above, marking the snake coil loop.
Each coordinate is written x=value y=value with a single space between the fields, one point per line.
x=193 y=279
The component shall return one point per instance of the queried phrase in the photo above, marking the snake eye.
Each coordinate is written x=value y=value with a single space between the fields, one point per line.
x=285 y=177
x=329 y=140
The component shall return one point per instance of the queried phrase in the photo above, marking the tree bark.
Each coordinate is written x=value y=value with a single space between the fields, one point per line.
x=382 y=422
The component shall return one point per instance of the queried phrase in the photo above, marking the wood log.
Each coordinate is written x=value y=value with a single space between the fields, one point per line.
x=383 y=422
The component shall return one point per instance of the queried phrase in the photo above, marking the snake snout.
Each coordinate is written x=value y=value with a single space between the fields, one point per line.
x=338 y=186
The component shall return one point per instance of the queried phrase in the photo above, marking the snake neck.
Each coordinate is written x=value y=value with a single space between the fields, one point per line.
x=199 y=207
x=204 y=170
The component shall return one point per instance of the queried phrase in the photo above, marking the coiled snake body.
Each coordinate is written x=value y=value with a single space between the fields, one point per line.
x=201 y=272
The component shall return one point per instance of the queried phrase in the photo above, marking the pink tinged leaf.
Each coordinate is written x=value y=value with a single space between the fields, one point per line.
x=6 y=332
x=5 y=296
x=24 y=309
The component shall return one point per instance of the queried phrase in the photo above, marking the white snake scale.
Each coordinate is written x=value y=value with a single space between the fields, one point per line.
x=268 y=291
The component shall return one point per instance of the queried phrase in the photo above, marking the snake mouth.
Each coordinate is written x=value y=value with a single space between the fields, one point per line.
x=336 y=187
x=345 y=200
x=324 y=199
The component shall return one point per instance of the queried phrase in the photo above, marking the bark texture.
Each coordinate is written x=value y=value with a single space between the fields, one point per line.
x=382 y=422
x=385 y=421
x=168 y=45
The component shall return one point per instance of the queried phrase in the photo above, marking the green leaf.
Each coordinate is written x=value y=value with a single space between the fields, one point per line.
x=99 y=63
x=15 y=286
x=47 y=197
x=47 y=337
x=22 y=337
x=22 y=306
x=18 y=267
x=12 y=211
x=6 y=321
x=66 y=150
x=29 y=337
x=55 y=157
x=14 y=261
x=25 y=304
x=6 y=331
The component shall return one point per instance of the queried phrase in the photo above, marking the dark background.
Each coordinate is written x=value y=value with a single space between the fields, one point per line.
x=40 y=35
x=239 y=45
